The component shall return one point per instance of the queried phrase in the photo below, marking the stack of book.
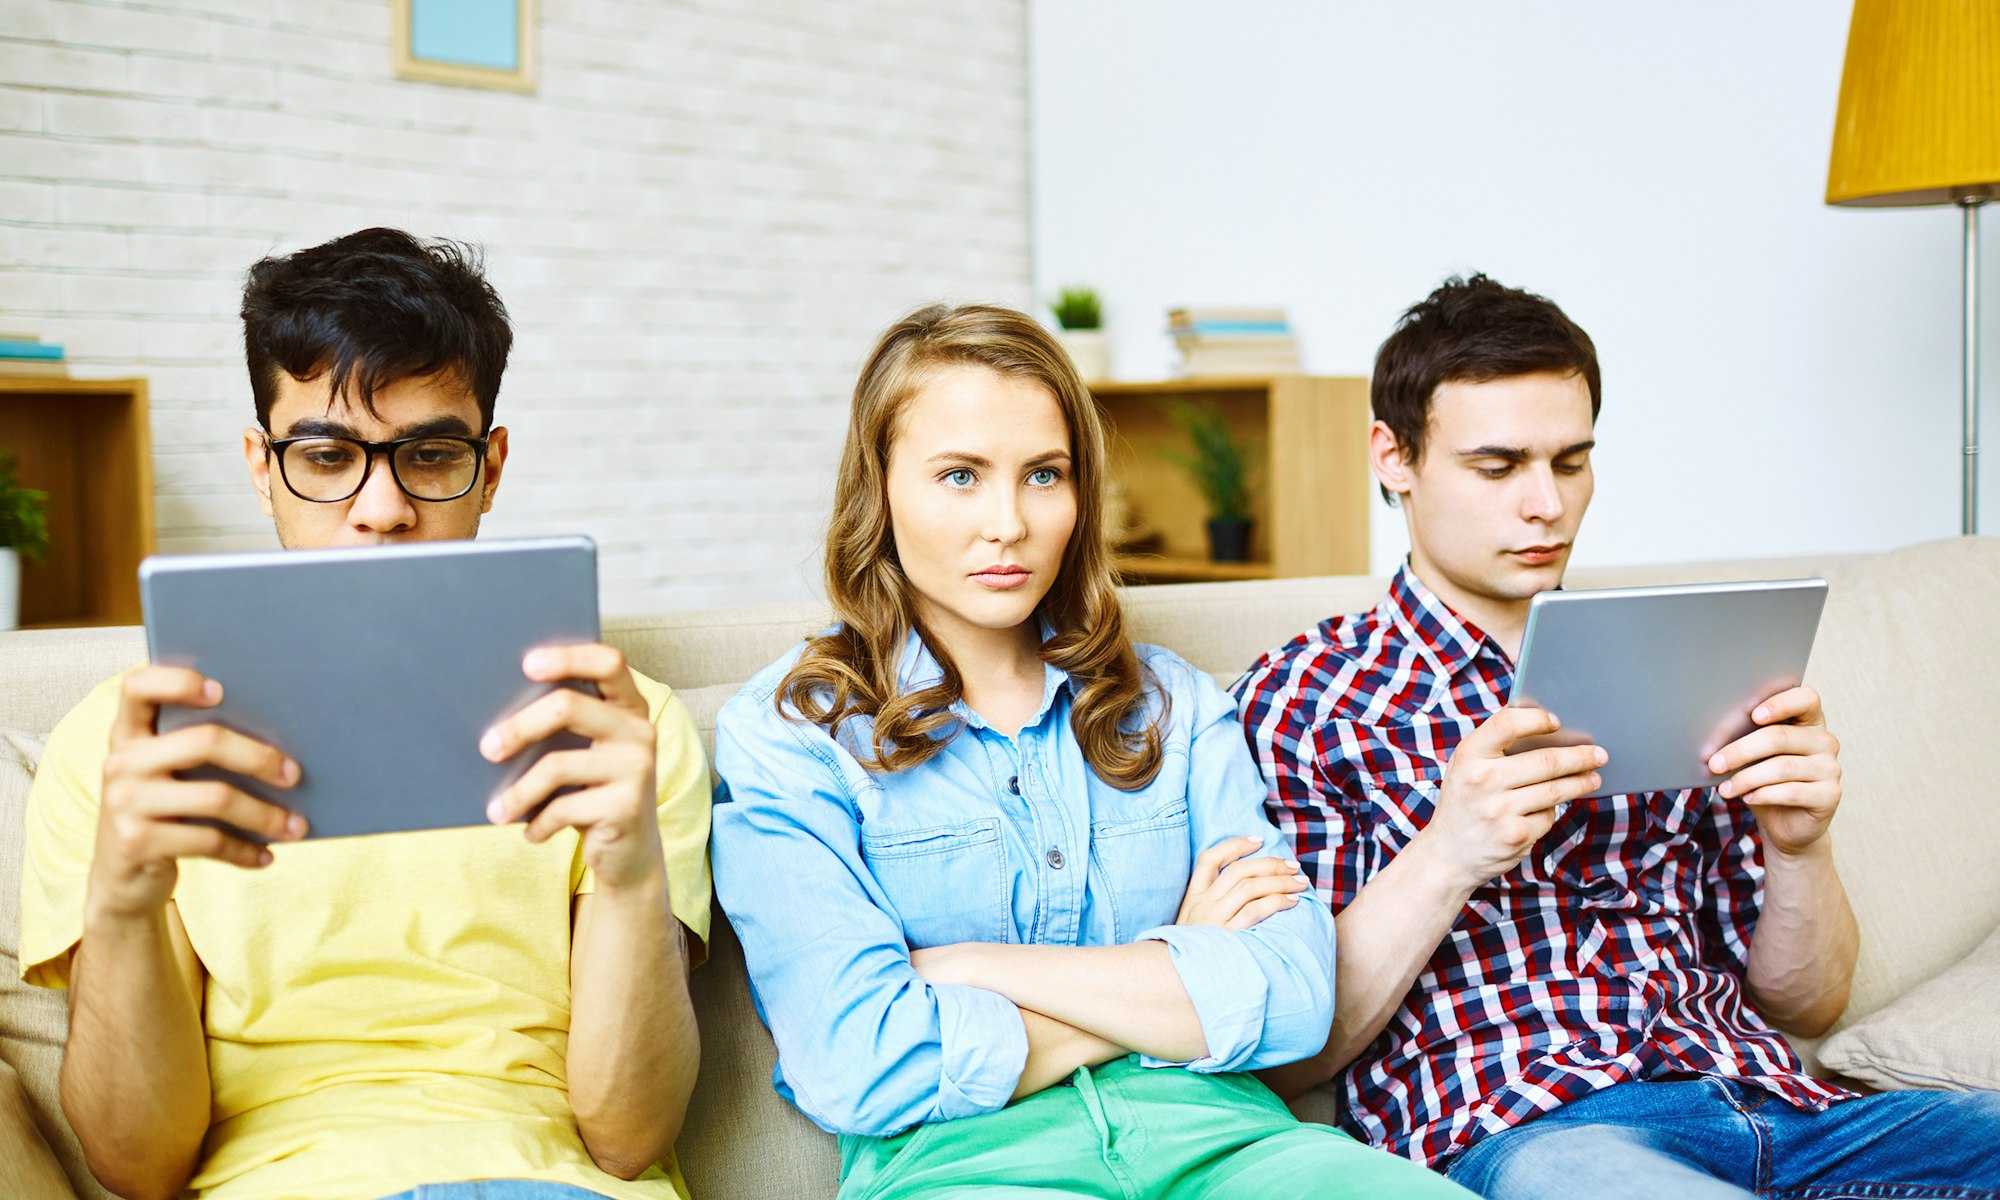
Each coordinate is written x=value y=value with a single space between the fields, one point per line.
x=1233 y=341
x=26 y=354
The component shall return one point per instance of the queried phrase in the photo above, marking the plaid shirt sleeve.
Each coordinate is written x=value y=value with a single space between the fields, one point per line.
x=1312 y=796
x=1732 y=856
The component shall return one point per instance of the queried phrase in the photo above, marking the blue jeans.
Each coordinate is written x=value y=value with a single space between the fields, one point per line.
x=1699 y=1138
x=496 y=1189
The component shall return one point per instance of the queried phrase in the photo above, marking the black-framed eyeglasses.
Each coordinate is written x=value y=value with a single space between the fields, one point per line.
x=326 y=469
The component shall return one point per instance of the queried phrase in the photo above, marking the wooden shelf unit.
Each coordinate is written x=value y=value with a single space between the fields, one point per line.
x=88 y=444
x=1310 y=487
x=1162 y=568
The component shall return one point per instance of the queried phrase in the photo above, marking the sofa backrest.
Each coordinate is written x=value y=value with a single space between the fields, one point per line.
x=1907 y=658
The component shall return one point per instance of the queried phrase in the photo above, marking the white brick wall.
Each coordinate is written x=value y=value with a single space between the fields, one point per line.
x=699 y=223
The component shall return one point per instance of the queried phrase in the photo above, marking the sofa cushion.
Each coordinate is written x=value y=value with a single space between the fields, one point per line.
x=28 y=1170
x=1941 y=1034
x=1907 y=661
x=33 y=1021
x=741 y=1141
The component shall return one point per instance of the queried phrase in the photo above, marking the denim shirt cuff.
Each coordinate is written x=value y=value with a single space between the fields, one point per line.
x=1227 y=985
x=985 y=1049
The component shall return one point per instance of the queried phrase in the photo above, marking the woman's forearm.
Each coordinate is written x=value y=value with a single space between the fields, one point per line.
x=1056 y=1050
x=1130 y=996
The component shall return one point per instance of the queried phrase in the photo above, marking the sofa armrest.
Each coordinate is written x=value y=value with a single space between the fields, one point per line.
x=28 y=1168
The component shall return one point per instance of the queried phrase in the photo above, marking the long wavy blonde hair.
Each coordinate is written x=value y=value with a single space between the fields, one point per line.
x=852 y=671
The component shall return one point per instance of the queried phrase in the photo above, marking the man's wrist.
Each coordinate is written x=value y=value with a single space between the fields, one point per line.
x=646 y=888
x=1442 y=879
x=110 y=920
x=1813 y=855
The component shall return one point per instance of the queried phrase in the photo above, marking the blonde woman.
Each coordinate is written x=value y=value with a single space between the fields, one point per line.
x=976 y=844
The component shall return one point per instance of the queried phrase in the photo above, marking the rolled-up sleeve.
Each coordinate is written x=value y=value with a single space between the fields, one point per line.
x=1264 y=995
x=865 y=1045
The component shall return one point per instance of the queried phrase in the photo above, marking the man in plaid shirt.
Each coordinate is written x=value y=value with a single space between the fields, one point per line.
x=1545 y=998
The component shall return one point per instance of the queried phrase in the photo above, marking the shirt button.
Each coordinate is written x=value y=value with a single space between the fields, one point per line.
x=1014 y=784
x=1055 y=858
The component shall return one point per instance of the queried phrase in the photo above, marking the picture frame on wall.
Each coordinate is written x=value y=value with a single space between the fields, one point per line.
x=468 y=43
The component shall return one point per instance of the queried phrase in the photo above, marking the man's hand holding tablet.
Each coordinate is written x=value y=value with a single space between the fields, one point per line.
x=1493 y=806
x=1787 y=770
x=147 y=819
x=607 y=789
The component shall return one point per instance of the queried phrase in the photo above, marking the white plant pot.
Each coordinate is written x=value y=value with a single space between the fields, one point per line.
x=1090 y=350
x=10 y=587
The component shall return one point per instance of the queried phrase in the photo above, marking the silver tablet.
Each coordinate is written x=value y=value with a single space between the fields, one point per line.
x=376 y=669
x=1663 y=677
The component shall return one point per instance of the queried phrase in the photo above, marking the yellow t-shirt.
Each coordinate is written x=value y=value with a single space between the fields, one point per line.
x=381 y=1012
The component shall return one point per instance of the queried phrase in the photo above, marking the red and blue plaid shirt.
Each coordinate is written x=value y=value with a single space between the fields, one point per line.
x=1615 y=951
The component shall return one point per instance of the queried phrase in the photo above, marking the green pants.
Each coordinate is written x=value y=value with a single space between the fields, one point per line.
x=1123 y=1132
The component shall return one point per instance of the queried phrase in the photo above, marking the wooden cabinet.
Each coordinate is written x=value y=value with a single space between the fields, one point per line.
x=85 y=442
x=1310 y=488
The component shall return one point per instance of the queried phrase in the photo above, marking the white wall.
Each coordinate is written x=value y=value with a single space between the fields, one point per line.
x=699 y=223
x=1780 y=377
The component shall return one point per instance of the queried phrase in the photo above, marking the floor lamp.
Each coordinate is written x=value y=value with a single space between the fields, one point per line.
x=1919 y=123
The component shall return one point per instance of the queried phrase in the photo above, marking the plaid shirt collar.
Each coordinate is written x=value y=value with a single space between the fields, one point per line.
x=1449 y=642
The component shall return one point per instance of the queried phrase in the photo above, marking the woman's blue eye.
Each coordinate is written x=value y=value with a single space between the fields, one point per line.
x=960 y=478
x=1043 y=477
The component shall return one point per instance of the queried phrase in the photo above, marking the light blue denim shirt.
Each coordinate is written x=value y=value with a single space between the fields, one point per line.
x=831 y=874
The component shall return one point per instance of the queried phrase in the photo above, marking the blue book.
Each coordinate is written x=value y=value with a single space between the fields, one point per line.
x=38 y=351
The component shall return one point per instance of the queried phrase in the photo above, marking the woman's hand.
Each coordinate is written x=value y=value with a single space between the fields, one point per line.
x=1235 y=892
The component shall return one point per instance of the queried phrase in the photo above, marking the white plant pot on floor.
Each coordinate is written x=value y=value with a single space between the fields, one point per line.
x=10 y=587
x=1090 y=350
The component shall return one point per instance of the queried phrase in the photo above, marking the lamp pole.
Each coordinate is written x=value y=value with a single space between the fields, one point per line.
x=1969 y=369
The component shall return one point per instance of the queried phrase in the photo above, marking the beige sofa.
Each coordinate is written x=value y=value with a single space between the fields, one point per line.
x=1908 y=659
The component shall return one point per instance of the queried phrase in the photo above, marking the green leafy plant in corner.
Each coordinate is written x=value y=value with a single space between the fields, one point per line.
x=1078 y=308
x=1220 y=463
x=24 y=522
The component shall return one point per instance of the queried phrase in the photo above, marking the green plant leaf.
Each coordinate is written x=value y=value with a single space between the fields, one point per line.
x=1219 y=463
x=1078 y=308
x=24 y=522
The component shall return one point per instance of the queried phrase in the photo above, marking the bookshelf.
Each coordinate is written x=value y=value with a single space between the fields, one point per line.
x=87 y=443
x=1310 y=492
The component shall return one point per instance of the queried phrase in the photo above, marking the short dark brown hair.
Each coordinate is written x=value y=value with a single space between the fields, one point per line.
x=372 y=308
x=1470 y=331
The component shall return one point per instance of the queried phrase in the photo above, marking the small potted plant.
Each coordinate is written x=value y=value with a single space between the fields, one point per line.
x=24 y=530
x=1220 y=468
x=1080 y=318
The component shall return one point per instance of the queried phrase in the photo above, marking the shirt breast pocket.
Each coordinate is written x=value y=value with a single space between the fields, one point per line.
x=1142 y=863
x=947 y=883
x=1399 y=804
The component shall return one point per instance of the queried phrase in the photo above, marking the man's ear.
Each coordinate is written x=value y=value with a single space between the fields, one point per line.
x=496 y=462
x=1386 y=457
x=257 y=457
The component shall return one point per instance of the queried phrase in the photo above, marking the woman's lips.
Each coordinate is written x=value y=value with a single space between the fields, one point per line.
x=1002 y=580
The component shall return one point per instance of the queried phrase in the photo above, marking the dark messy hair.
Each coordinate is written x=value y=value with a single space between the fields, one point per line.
x=374 y=307
x=1470 y=331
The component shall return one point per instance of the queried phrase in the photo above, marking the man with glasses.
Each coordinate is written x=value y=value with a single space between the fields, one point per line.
x=366 y=1016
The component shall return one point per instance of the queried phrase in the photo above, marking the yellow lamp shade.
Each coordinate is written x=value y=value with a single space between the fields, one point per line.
x=1919 y=119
